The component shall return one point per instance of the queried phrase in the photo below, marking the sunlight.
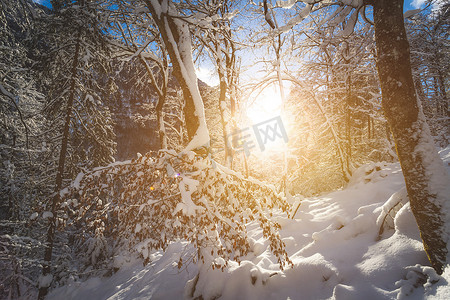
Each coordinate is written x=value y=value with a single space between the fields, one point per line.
x=266 y=107
x=207 y=75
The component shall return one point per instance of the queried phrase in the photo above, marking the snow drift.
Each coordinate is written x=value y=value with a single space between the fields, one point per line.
x=335 y=244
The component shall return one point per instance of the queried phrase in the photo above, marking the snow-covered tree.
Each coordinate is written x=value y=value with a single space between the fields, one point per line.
x=22 y=151
x=177 y=40
x=337 y=75
x=20 y=105
x=76 y=70
x=428 y=34
x=428 y=195
x=147 y=203
x=417 y=154
x=213 y=29
x=140 y=43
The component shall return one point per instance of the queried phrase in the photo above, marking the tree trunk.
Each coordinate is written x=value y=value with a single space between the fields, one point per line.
x=417 y=154
x=348 y=120
x=162 y=94
x=177 y=40
x=60 y=173
x=160 y=121
x=222 y=105
x=443 y=94
x=232 y=75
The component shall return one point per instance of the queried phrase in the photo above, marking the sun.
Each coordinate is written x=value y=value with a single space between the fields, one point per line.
x=263 y=109
x=264 y=105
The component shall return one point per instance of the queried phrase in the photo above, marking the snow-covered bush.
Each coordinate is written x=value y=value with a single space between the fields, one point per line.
x=147 y=203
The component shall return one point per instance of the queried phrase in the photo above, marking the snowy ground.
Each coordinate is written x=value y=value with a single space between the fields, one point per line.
x=332 y=241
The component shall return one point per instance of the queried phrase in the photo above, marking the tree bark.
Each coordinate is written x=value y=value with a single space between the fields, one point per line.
x=348 y=120
x=443 y=94
x=160 y=121
x=417 y=154
x=162 y=94
x=223 y=87
x=176 y=38
x=60 y=173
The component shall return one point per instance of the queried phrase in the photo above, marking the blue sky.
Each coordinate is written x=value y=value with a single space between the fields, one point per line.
x=409 y=4
x=43 y=2
x=413 y=4
x=204 y=71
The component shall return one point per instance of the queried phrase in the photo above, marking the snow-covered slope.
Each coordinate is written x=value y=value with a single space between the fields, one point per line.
x=333 y=241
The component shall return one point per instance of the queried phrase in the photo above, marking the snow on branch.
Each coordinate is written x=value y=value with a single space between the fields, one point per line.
x=285 y=3
x=161 y=197
x=338 y=16
x=176 y=35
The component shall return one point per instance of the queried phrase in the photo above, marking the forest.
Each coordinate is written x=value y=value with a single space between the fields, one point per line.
x=224 y=149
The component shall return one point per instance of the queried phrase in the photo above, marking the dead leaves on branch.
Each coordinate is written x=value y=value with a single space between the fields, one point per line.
x=162 y=197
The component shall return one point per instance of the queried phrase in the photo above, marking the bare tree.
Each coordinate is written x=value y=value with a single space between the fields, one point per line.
x=177 y=40
x=425 y=176
x=139 y=38
x=217 y=38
